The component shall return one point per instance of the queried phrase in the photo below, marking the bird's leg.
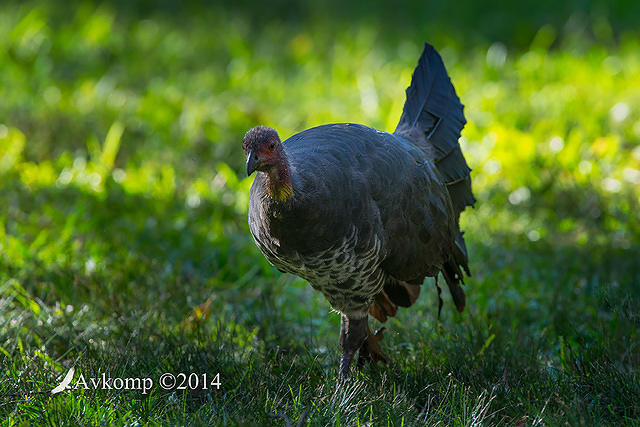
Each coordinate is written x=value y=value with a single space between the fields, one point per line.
x=353 y=334
x=364 y=355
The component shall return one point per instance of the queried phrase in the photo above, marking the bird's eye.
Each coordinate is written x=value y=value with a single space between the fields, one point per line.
x=272 y=145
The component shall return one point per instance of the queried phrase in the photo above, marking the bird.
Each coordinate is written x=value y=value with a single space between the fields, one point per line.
x=363 y=215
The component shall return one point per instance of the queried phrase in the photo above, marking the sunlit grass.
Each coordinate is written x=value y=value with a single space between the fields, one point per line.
x=124 y=246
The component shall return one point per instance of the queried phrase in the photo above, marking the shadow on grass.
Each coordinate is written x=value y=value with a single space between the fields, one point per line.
x=550 y=331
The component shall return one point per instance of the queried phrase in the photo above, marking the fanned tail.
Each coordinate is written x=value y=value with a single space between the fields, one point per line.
x=432 y=119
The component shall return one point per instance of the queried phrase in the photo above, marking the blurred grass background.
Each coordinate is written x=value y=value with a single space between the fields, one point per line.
x=123 y=239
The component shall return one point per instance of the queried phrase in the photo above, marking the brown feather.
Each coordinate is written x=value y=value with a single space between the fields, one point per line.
x=397 y=293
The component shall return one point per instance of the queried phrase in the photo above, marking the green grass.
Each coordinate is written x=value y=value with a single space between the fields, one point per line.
x=124 y=247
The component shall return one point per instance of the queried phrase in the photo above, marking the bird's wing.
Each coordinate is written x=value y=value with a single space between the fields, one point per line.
x=418 y=222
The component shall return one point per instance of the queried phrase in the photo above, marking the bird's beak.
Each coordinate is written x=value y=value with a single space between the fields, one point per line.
x=253 y=162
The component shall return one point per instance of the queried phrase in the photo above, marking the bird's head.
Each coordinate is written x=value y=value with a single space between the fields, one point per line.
x=263 y=149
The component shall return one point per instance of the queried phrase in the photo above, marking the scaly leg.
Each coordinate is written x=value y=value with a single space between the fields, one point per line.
x=353 y=334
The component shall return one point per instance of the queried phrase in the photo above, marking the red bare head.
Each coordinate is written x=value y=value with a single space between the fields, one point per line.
x=262 y=147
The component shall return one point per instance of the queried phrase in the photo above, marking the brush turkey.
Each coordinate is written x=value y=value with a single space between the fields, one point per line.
x=364 y=215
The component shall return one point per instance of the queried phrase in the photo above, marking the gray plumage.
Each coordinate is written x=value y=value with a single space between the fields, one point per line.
x=372 y=213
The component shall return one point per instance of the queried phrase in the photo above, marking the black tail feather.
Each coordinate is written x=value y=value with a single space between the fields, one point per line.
x=432 y=119
x=453 y=277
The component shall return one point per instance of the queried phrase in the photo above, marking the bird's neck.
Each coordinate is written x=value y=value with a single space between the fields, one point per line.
x=279 y=186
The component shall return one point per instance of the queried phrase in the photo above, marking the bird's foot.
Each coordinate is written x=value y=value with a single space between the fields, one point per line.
x=371 y=349
x=373 y=344
x=356 y=337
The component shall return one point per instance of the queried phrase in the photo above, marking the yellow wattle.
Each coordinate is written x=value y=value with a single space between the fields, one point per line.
x=282 y=192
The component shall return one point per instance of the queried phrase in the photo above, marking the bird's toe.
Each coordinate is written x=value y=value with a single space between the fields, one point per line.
x=373 y=346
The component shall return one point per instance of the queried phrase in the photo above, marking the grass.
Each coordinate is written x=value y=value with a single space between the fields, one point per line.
x=124 y=247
